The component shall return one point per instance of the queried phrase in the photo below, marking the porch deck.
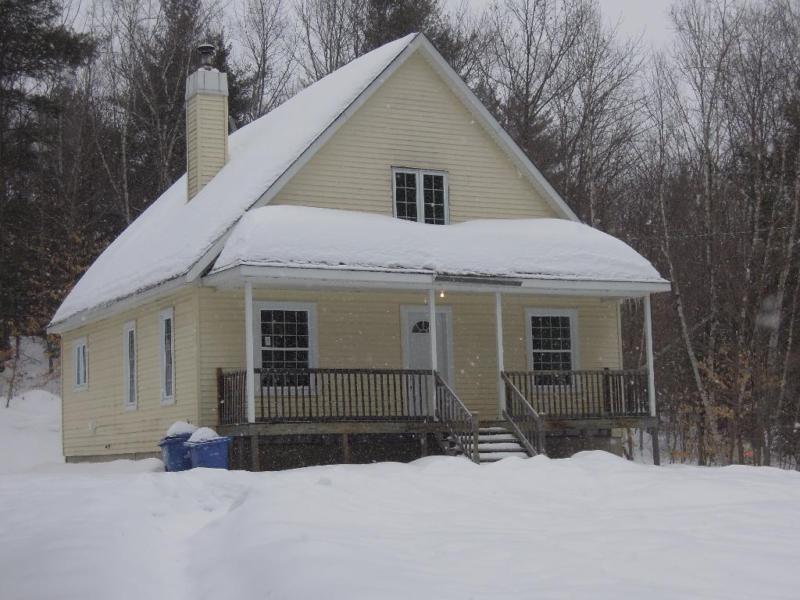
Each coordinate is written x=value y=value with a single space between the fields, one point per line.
x=303 y=402
x=337 y=395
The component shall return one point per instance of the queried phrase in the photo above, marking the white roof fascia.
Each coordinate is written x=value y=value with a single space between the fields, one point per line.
x=301 y=161
x=462 y=91
x=343 y=278
x=115 y=307
x=318 y=277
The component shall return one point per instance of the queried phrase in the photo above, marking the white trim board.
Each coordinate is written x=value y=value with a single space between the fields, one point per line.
x=343 y=278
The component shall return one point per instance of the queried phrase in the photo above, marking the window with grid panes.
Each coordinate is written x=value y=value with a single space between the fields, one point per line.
x=420 y=196
x=405 y=195
x=551 y=348
x=284 y=347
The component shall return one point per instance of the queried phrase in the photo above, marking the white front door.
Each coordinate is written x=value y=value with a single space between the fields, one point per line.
x=417 y=344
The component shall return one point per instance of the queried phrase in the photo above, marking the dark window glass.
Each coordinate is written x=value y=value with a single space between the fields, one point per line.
x=405 y=196
x=284 y=347
x=551 y=341
x=433 y=198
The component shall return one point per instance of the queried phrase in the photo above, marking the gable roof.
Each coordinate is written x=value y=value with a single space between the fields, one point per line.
x=174 y=241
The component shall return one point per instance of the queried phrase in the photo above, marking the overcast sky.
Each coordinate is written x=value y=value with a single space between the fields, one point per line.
x=647 y=18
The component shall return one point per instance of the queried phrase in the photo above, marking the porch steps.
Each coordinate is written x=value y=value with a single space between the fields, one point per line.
x=494 y=443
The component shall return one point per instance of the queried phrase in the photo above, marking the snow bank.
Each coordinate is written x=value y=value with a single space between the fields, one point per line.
x=30 y=431
x=181 y=428
x=204 y=434
x=593 y=526
x=300 y=236
x=172 y=234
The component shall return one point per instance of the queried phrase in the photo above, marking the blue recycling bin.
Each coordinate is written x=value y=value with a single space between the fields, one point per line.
x=212 y=454
x=174 y=452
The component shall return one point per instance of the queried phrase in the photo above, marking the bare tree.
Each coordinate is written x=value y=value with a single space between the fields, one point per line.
x=330 y=33
x=264 y=34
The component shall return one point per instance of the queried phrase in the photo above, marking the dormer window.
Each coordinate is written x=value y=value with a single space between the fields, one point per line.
x=420 y=195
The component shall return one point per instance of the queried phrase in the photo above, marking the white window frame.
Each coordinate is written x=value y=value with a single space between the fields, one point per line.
x=78 y=385
x=168 y=314
x=128 y=402
x=572 y=313
x=311 y=309
x=419 y=174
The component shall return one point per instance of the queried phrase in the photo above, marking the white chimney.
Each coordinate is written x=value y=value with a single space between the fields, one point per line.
x=206 y=122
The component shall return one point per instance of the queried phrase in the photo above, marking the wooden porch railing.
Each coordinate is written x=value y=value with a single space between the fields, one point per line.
x=583 y=394
x=461 y=424
x=525 y=422
x=327 y=394
x=231 y=394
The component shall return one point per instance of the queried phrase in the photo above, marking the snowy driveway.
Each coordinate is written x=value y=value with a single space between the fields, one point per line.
x=589 y=527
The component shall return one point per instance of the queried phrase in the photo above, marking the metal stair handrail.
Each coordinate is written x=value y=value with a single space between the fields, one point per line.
x=526 y=423
x=461 y=423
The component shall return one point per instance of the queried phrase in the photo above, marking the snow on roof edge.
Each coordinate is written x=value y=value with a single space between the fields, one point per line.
x=557 y=249
x=244 y=138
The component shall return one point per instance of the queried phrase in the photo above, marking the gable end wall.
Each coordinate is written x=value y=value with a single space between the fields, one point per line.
x=414 y=120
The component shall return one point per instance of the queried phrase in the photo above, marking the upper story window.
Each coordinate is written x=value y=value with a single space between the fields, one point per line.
x=80 y=364
x=167 y=336
x=420 y=195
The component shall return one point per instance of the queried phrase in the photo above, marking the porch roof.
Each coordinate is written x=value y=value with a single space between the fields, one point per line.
x=285 y=238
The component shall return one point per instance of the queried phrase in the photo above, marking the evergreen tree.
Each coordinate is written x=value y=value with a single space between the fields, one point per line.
x=36 y=51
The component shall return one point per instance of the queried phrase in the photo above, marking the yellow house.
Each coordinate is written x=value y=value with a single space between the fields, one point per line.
x=374 y=269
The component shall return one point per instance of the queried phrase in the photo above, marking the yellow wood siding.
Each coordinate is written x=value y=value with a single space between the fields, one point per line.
x=206 y=139
x=95 y=422
x=363 y=330
x=414 y=120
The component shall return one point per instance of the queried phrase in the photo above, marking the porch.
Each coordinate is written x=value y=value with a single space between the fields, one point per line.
x=448 y=332
x=352 y=402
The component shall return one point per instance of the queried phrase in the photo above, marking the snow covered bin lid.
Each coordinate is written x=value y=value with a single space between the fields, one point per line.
x=204 y=435
x=180 y=429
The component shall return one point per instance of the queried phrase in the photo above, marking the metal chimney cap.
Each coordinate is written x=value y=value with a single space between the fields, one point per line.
x=206 y=52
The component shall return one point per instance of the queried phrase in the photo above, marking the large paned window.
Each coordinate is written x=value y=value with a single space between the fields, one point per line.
x=167 y=351
x=80 y=364
x=420 y=195
x=552 y=340
x=129 y=364
x=285 y=344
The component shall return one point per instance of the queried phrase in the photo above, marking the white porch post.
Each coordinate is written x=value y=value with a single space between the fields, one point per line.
x=498 y=321
x=433 y=341
x=648 y=336
x=248 y=352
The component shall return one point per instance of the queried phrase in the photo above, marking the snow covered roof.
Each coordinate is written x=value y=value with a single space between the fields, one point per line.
x=300 y=236
x=168 y=238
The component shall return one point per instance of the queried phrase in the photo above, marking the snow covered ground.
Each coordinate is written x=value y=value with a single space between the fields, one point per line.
x=30 y=431
x=593 y=526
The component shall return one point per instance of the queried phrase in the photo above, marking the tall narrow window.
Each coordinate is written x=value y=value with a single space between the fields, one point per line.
x=79 y=359
x=420 y=196
x=285 y=345
x=167 y=335
x=552 y=349
x=129 y=363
